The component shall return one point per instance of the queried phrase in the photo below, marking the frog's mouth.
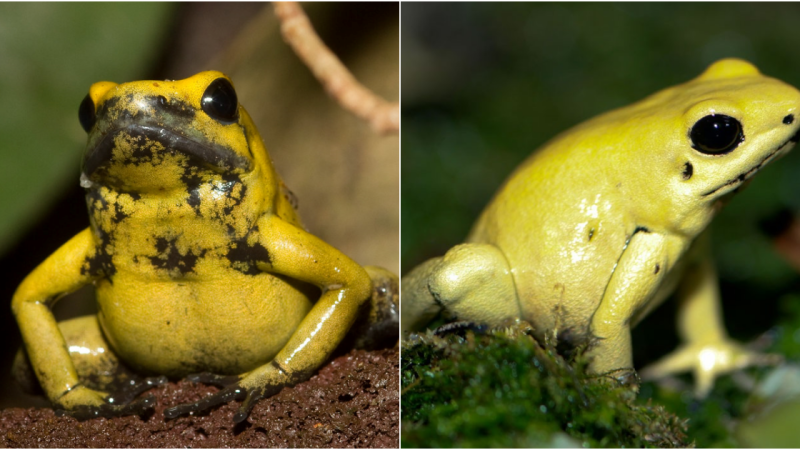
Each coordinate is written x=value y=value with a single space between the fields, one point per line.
x=744 y=176
x=213 y=156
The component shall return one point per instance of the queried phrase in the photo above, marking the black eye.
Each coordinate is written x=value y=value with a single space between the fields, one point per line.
x=86 y=113
x=716 y=134
x=219 y=101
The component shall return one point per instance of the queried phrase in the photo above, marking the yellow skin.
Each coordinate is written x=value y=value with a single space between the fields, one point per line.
x=600 y=225
x=198 y=256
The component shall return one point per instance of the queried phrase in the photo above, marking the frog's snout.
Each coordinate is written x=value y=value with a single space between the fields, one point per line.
x=135 y=143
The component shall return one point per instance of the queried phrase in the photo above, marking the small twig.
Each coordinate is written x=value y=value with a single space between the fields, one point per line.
x=338 y=81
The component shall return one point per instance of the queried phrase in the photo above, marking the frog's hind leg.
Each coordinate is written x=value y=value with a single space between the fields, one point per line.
x=95 y=363
x=378 y=321
x=472 y=282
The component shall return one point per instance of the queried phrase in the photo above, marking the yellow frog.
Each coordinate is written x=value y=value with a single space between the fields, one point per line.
x=599 y=226
x=198 y=257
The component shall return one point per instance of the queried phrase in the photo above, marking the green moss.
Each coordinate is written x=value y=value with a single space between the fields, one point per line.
x=504 y=389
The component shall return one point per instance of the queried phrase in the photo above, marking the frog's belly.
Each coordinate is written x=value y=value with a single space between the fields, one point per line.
x=227 y=325
x=557 y=289
x=561 y=261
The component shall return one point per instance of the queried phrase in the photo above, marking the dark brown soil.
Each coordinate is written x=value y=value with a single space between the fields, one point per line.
x=352 y=402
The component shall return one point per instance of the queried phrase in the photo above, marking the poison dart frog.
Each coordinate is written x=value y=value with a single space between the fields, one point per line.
x=599 y=226
x=199 y=259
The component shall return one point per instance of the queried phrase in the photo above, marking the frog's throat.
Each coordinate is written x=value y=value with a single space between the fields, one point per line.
x=744 y=176
x=218 y=157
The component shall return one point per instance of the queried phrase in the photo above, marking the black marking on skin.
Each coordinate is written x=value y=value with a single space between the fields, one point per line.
x=245 y=258
x=688 y=170
x=119 y=214
x=110 y=104
x=217 y=157
x=247 y=138
x=194 y=200
x=231 y=231
x=192 y=180
x=169 y=258
x=640 y=228
x=100 y=264
x=92 y=197
x=591 y=233
x=231 y=180
x=658 y=268
x=175 y=108
x=290 y=197
x=278 y=366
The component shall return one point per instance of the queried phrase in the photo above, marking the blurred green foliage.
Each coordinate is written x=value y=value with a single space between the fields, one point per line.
x=50 y=54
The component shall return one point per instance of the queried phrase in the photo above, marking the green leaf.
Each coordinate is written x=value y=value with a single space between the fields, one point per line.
x=51 y=53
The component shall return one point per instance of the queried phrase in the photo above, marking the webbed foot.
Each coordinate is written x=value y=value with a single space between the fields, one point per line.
x=250 y=388
x=83 y=403
x=624 y=377
x=708 y=361
x=460 y=328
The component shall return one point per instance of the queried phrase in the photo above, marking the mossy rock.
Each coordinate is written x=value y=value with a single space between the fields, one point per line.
x=505 y=389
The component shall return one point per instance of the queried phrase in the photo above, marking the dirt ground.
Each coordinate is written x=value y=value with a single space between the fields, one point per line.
x=351 y=402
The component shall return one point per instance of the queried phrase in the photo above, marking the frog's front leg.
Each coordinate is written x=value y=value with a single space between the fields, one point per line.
x=345 y=286
x=707 y=350
x=97 y=368
x=644 y=263
x=62 y=272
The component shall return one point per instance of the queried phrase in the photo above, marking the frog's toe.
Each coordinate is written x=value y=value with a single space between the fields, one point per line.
x=108 y=410
x=84 y=403
x=708 y=361
x=254 y=395
x=213 y=379
x=250 y=387
x=624 y=377
x=134 y=388
x=226 y=395
x=460 y=328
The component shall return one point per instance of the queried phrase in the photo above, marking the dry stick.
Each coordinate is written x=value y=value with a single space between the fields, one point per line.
x=338 y=81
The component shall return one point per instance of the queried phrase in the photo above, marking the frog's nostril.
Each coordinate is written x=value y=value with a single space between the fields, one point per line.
x=788 y=120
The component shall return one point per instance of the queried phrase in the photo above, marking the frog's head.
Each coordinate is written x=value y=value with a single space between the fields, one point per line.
x=187 y=143
x=705 y=139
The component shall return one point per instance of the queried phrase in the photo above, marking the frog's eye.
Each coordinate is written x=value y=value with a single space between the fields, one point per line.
x=219 y=101
x=86 y=113
x=716 y=134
